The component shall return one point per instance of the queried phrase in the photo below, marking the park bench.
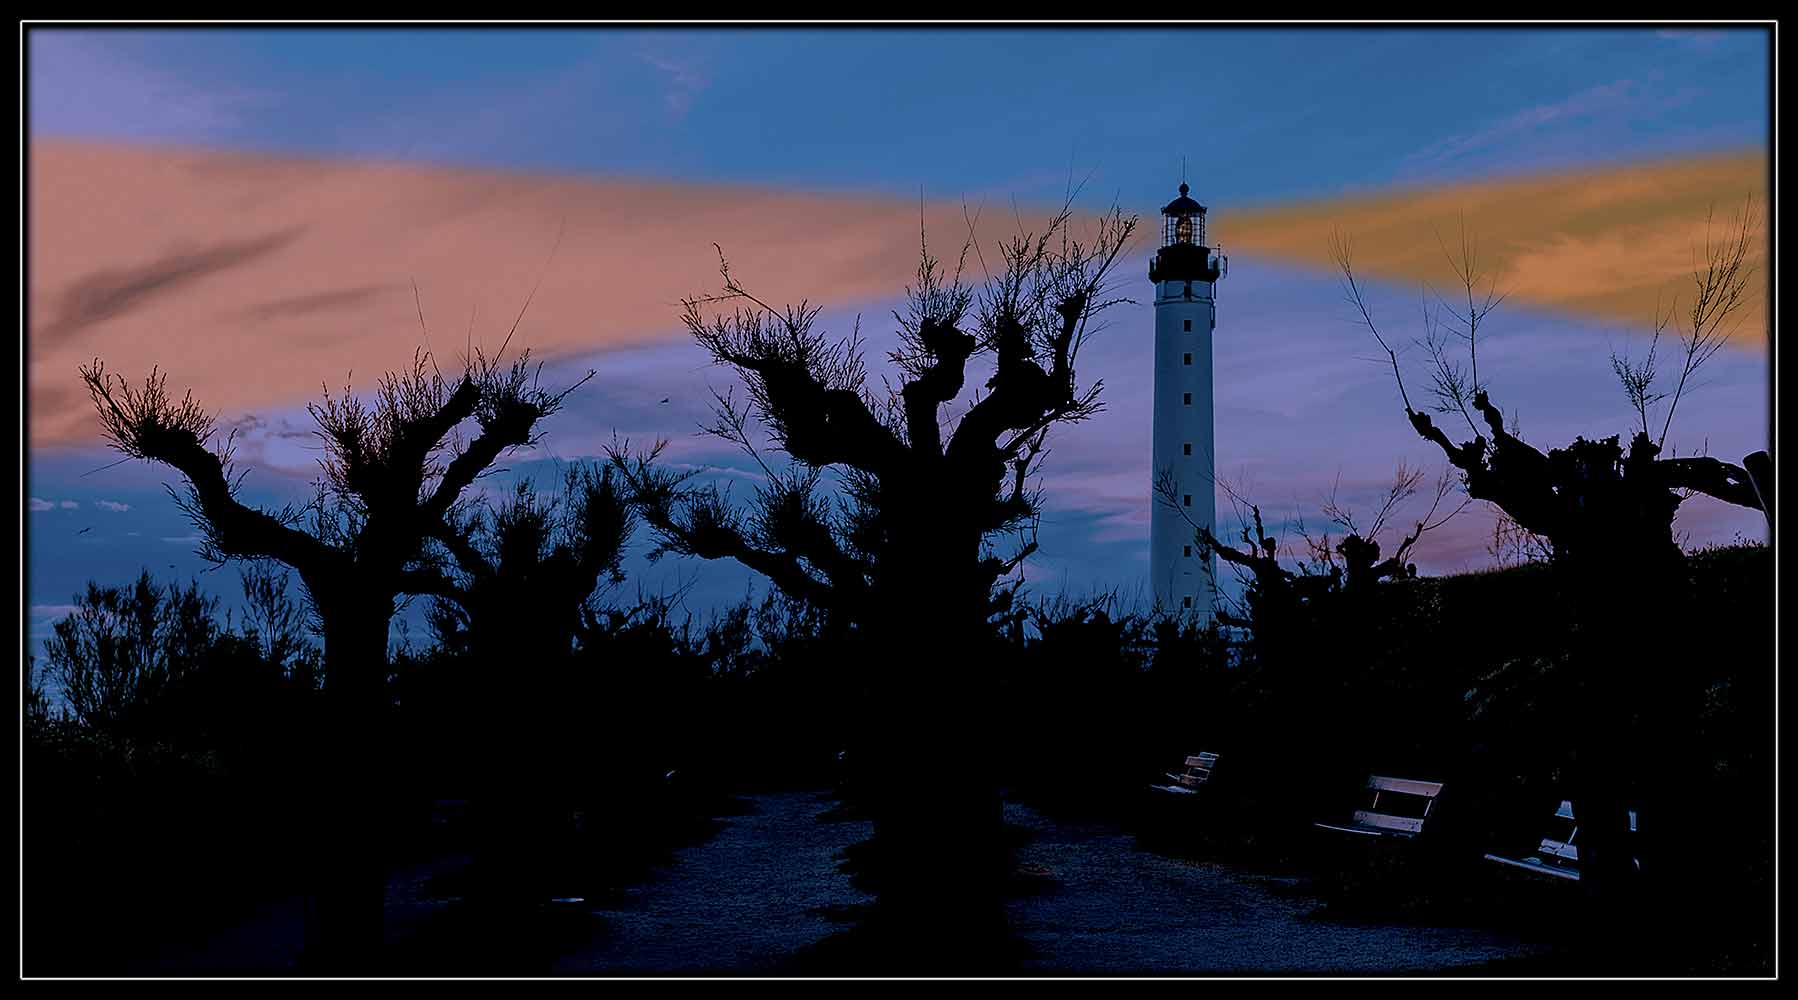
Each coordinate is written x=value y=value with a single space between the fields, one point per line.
x=1557 y=855
x=1189 y=781
x=1397 y=807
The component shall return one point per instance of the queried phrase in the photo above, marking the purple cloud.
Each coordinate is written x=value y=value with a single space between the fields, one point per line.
x=1303 y=407
x=94 y=83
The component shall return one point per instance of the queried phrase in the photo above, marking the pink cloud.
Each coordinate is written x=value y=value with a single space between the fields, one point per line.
x=254 y=279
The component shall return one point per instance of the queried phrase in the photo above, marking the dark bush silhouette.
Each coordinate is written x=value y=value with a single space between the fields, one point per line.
x=158 y=776
x=517 y=580
x=123 y=650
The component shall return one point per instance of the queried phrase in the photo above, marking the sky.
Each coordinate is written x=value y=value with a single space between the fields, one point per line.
x=252 y=211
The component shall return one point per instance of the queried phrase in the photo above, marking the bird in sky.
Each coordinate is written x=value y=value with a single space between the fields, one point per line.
x=85 y=530
x=665 y=399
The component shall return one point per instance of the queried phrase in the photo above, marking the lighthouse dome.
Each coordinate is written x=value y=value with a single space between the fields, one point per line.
x=1183 y=205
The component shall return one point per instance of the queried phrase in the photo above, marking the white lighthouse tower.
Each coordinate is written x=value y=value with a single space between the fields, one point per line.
x=1185 y=272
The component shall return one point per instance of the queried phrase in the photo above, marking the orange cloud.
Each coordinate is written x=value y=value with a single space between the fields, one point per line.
x=255 y=279
x=1602 y=243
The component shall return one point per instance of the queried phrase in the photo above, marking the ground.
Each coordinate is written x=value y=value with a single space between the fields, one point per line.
x=766 y=888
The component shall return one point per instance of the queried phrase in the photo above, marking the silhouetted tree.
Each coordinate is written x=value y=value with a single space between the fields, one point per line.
x=532 y=558
x=1349 y=565
x=392 y=471
x=1606 y=511
x=906 y=554
x=519 y=579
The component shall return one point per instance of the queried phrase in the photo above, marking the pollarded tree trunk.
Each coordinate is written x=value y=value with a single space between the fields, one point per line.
x=1628 y=590
x=514 y=811
x=351 y=820
x=937 y=812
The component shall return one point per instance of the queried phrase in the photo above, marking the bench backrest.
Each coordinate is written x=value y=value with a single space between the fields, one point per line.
x=1198 y=769
x=1398 y=804
x=1566 y=850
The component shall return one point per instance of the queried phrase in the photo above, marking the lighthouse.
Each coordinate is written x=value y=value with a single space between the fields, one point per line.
x=1185 y=272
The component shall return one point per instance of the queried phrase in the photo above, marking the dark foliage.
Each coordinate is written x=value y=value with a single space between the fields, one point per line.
x=158 y=772
x=1412 y=680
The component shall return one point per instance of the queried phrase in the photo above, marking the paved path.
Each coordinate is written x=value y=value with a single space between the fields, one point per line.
x=747 y=900
x=743 y=902
x=1111 y=908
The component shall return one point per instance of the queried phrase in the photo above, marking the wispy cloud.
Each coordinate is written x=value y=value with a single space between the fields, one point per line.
x=1605 y=99
x=112 y=505
x=53 y=610
x=685 y=78
x=103 y=294
x=1703 y=41
x=36 y=505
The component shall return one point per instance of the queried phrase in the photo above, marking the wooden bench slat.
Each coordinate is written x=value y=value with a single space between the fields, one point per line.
x=1557 y=848
x=1428 y=789
x=1535 y=865
x=1372 y=822
x=1348 y=829
x=1384 y=822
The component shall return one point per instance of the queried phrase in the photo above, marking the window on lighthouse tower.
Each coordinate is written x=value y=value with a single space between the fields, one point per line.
x=1183 y=229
